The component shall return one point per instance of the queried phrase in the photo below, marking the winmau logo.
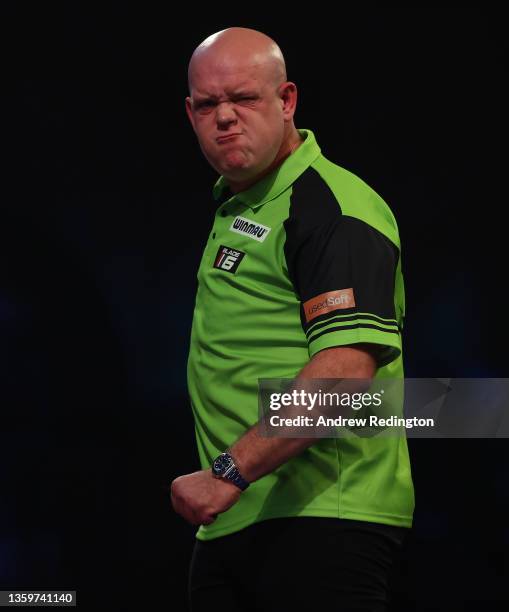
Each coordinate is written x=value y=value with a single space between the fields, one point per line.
x=248 y=228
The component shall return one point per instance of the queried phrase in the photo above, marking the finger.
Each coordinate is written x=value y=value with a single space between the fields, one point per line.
x=209 y=519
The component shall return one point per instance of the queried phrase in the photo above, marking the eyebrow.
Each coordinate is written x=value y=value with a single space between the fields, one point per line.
x=244 y=91
x=236 y=93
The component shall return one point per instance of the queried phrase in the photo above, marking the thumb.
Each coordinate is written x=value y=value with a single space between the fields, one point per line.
x=209 y=519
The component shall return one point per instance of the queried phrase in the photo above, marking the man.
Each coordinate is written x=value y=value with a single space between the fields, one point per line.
x=291 y=231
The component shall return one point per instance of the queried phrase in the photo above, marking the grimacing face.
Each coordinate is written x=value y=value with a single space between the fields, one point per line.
x=237 y=115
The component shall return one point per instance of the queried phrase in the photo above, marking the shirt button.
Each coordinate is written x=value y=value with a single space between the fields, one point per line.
x=213 y=235
x=223 y=213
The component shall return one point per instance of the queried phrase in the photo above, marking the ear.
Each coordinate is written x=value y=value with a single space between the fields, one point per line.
x=189 y=110
x=288 y=95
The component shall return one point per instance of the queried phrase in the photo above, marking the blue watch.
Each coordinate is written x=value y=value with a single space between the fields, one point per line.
x=224 y=467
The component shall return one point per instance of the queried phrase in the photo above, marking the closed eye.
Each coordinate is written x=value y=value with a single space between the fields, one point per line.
x=247 y=98
x=210 y=103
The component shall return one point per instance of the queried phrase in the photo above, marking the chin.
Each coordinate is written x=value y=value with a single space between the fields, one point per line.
x=240 y=171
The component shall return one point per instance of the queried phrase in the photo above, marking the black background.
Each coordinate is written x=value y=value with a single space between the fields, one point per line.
x=105 y=210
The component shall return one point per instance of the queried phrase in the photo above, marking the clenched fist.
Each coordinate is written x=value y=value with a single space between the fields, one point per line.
x=199 y=497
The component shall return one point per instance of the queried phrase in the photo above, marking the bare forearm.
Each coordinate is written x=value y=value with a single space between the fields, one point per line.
x=256 y=455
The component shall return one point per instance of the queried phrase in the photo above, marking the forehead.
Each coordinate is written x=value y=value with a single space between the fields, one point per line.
x=215 y=76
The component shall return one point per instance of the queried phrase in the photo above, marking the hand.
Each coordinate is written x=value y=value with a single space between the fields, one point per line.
x=199 y=497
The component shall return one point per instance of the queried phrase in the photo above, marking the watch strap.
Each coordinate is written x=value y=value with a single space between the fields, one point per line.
x=233 y=475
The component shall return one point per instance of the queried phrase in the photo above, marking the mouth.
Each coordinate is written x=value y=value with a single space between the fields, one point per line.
x=227 y=138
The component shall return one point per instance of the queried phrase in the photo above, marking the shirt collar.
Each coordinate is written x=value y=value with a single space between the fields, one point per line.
x=270 y=186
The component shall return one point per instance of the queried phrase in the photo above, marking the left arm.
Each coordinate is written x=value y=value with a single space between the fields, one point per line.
x=256 y=456
x=199 y=497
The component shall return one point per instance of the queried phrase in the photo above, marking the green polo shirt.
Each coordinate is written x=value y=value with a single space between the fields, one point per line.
x=306 y=259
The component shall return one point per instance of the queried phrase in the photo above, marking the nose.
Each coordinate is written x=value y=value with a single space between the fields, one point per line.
x=225 y=115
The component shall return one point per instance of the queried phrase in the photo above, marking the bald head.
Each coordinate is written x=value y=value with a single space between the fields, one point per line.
x=237 y=49
x=240 y=104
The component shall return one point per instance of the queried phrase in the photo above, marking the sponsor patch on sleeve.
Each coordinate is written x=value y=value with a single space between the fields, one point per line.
x=325 y=302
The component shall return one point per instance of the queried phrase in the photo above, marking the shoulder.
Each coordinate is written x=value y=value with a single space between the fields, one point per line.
x=326 y=191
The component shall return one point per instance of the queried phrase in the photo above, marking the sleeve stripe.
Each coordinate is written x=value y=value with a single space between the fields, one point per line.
x=391 y=323
x=355 y=326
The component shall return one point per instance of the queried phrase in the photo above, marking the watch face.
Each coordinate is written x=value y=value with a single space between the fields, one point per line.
x=221 y=464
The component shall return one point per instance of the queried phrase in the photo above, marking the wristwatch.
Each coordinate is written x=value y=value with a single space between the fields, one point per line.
x=224 y=467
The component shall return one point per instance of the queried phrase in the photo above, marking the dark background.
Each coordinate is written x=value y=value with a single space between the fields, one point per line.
x=105 y=210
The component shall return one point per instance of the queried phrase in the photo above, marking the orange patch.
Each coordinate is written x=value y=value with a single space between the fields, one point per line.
x=325 y=302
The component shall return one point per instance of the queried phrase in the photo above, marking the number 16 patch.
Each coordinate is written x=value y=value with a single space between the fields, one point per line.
x=228 y=259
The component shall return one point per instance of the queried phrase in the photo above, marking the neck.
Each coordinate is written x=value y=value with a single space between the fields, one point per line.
x=290 y=143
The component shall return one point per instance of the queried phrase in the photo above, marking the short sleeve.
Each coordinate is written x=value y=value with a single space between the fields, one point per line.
x=343 y=271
